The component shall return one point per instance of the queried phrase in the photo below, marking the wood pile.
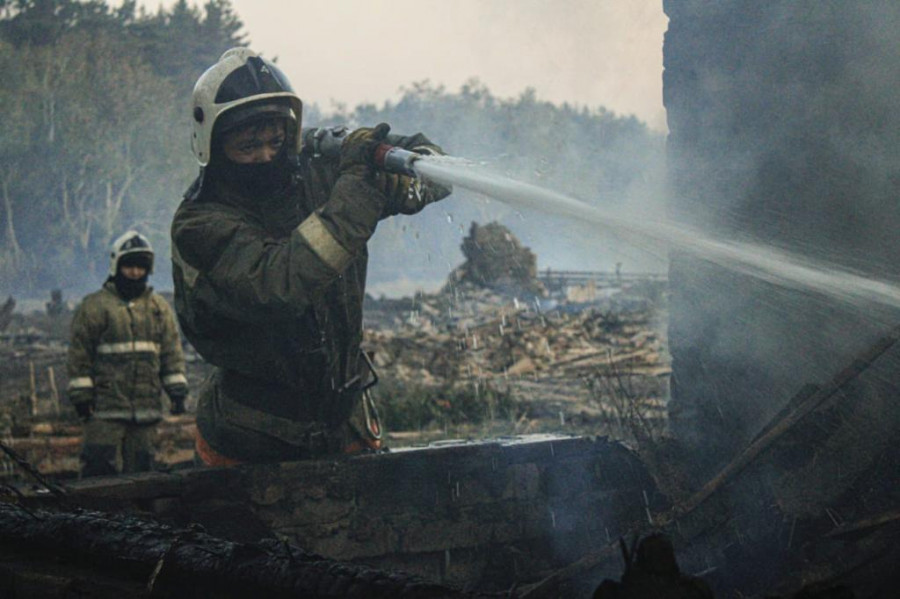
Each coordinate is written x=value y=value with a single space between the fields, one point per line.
x=565 y=358
x=53 y=447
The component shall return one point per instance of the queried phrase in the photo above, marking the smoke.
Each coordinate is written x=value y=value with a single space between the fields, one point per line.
x=782 y=130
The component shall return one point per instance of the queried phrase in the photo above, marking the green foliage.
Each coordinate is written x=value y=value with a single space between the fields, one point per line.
x=93 y=136
x=416 y=407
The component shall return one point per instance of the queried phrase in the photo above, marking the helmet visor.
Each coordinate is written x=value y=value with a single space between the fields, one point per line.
x=140 y=259
x=248 y=113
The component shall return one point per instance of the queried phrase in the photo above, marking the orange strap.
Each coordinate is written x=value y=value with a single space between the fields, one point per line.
x=362 y=445
x=210 y=456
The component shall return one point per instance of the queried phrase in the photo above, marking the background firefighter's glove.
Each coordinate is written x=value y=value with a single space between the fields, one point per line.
x=358 y=150
x=85 y=409
x=177 y=405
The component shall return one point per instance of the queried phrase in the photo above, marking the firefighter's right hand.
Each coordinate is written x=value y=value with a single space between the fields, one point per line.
x=358 y=150
x=85 y=410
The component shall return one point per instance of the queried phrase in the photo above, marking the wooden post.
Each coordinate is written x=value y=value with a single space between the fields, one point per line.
x=33 y=396
x=54 y=392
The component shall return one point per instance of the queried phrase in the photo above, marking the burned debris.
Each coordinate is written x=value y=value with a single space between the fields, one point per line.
x=92 y=554
x=812 y=499
x=496 y=260
x=590 y=364
x=809 y=498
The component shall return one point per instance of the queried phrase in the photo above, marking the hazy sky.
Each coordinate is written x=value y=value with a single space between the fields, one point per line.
x=587 y=52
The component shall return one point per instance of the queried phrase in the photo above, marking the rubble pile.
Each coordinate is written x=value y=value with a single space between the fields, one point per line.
x=495 y=259
x=556 y=358
x=53 y=446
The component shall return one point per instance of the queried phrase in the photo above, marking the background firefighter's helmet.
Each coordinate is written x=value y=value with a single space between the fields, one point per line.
x=129 y=243
x=241 y=86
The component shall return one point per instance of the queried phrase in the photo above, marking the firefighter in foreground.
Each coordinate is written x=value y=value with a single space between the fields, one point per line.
x=269 y=260
x=125 y=349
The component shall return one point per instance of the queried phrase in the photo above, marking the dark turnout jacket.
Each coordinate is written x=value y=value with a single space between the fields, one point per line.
x=123 y=353
x=271 y=293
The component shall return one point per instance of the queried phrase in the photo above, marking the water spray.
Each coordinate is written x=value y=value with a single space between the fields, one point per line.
x=762 y=262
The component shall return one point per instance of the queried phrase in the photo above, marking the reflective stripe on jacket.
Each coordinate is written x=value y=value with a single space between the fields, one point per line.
x=122 y=354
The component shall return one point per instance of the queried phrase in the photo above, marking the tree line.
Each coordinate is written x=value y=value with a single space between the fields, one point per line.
x=94 y=101
x=94 y=140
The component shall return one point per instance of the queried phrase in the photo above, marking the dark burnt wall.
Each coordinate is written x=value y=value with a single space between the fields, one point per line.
x=486 y=515
x=784 y=128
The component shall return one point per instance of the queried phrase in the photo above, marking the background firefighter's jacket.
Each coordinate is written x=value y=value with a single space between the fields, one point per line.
x=270 y=291
x=123 y=353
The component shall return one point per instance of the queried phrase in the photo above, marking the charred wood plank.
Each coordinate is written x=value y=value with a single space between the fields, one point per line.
x=191 y=563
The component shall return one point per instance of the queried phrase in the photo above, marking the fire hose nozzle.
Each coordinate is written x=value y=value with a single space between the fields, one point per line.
x=327 y=141
x=396 y=160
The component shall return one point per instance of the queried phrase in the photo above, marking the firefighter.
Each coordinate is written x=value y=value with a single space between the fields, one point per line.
x=269 y=260
x=124 y=350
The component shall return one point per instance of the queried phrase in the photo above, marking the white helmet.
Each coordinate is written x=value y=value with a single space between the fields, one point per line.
x=130 y=242
x=240 y=78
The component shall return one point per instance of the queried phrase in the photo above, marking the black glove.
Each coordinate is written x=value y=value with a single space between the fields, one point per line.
x=85 y=409
x=358 y=150
x=177 y=405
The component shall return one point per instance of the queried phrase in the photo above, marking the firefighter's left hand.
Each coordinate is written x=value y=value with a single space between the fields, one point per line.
x=177 y=406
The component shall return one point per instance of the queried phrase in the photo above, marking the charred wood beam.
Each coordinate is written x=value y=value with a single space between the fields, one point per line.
x=191 y=563
x=708 y=516
x=788 y=421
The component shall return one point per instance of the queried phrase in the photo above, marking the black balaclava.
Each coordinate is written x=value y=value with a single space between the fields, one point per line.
x=132 y=288
x=255 y=181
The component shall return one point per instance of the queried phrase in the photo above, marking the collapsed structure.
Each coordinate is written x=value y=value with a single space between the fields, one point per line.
x=812 y=499
x=782 y=128
x=786 y=403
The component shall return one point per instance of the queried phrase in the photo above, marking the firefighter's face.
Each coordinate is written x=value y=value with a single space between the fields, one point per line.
x=255 y=144
x=135 y=273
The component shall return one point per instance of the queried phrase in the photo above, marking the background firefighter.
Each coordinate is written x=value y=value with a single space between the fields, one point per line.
x=125 y=349
x=269 y=261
